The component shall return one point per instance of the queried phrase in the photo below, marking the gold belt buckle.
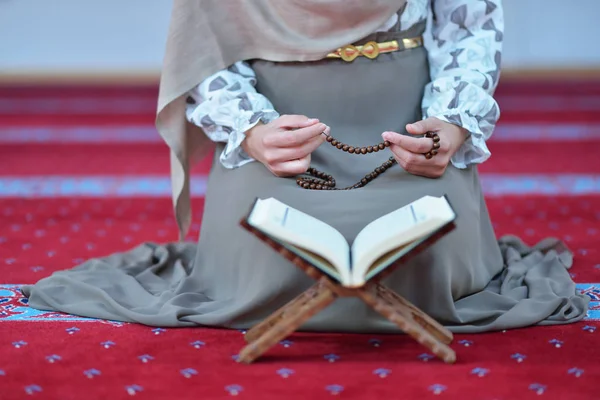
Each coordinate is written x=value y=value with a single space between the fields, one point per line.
x=349 y=53
x=370 y=50
x=373 y=49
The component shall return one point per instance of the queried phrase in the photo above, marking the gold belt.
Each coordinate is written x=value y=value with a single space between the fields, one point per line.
x=371 y=50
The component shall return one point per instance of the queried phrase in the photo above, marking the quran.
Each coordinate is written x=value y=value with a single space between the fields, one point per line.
x=380 y=244
x=343 y=270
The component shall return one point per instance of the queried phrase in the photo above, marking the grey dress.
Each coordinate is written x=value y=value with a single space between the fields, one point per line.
x=468 y=281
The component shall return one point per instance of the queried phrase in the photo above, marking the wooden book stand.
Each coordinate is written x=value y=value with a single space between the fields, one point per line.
x=392 y=306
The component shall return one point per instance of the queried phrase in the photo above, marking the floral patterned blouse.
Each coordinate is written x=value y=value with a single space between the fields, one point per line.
x=464 y=45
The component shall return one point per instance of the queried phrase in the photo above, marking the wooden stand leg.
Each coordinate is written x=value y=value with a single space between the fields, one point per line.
x=383 y=306
x=320 y=299
x=428 y=323
x=256 y=331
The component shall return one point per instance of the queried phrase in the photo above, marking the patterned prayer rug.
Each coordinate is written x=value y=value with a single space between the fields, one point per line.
x=84 y=174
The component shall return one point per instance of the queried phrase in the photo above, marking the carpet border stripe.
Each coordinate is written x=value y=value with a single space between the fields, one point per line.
x=146 y=133
x=42 y=186
x=10 y=297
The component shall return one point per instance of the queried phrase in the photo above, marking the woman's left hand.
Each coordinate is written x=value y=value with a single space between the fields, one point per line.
x=410 y=151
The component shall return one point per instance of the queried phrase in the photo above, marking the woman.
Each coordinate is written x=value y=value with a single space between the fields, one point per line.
x=268 y=80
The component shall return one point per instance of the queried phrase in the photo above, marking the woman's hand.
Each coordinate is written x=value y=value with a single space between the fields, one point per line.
x=409 y=151
x=285 y=144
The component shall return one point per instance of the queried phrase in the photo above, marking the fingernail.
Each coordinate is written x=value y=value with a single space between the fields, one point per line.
x=312 y=120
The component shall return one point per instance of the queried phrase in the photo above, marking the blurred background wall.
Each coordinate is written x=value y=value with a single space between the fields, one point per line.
x=127 y=37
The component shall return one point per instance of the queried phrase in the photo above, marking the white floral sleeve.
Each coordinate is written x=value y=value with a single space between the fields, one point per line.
x=225 y=106
x=464 y=58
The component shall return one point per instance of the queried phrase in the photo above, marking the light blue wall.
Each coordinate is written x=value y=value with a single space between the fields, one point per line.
x=113 y=36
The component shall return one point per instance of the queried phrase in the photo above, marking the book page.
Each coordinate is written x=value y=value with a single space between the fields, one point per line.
x=316 y=260
x=285 y=223
x=397 y=229
x=400 y=252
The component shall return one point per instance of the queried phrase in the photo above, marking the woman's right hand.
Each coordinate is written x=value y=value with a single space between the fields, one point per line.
x=285 y=144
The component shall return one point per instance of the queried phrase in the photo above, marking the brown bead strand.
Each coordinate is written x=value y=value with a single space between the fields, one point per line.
x=357 y=150
x=436 y=144
x=323 y=181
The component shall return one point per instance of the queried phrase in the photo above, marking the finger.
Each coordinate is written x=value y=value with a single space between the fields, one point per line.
x=417 y=164
x=412 y=144
x=407 y=159
x=427 y=172
x=430 y=124
x=296 y=137
x=295 y=121
x=292 y=167
x=283 y=154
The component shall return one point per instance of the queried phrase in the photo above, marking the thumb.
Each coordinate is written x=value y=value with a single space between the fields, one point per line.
x=296 y=121
x=430 y=124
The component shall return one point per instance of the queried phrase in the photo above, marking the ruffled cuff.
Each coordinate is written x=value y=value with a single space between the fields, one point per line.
x=234 y=156
x=225 y=106
x=466 y=105
x=474 y=150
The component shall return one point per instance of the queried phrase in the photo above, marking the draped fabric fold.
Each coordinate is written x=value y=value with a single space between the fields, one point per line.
x=236 y=30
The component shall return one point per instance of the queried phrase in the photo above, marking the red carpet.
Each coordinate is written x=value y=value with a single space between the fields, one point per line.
x=61 y=201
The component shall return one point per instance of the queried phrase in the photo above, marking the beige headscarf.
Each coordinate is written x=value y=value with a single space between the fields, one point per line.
x=206 y=36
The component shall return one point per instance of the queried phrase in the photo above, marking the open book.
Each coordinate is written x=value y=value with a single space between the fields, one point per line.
x=380 y=244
